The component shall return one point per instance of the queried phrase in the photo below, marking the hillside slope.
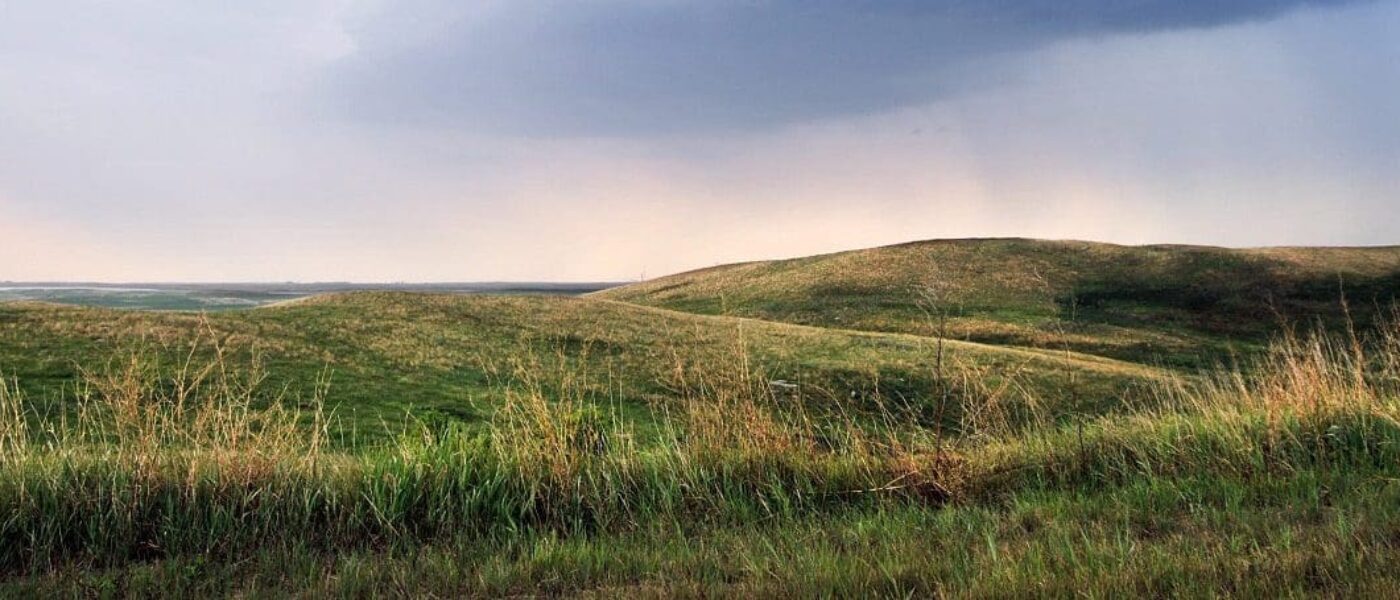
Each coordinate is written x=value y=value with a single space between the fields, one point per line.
x=448 y=357
x=1180 y=305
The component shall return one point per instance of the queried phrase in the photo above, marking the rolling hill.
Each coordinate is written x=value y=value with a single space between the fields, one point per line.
x=1177 y=305
x=392 y=356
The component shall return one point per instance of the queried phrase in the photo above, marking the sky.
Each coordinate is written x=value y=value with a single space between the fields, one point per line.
x=612 y=140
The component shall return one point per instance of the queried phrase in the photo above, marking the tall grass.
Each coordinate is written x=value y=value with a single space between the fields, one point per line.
x=207 y=462
x=14 y=427
x=1313 y=401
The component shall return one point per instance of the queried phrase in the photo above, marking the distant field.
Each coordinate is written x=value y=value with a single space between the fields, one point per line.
x=196 y=297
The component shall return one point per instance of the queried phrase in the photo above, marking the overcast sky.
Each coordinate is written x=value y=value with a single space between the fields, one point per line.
x=435 y=140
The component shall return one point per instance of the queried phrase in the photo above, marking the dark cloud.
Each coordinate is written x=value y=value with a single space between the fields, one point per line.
x=625 y=67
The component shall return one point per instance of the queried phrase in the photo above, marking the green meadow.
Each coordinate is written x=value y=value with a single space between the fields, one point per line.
x=984 y=418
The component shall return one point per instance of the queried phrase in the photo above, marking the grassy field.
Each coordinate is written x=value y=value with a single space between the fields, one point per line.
x=396 y=358
x=373 y=444
x=235 y=296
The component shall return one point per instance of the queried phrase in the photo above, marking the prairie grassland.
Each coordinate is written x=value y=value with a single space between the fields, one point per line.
x=1278 y=478
x=394 y=360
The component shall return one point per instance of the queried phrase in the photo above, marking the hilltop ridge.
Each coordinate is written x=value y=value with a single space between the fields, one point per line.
x=1158 y=302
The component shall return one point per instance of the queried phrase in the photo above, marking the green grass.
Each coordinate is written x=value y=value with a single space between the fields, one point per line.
x=1181 y=306
x=1191 y=538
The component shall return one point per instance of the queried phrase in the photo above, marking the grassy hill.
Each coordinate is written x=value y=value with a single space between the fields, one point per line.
x=392 y=357
x=1179 y=305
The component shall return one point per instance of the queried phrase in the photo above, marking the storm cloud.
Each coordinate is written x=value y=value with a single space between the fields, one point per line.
x=631 y=68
